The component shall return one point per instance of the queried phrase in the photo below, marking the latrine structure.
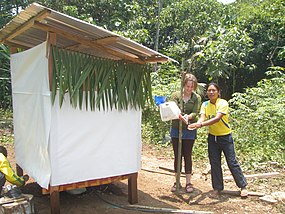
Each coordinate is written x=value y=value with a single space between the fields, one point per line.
x=78 y=91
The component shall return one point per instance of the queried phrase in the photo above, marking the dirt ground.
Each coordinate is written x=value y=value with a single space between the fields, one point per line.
x=154 y=194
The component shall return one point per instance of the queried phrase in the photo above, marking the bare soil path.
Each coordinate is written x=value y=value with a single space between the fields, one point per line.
x=154 y=192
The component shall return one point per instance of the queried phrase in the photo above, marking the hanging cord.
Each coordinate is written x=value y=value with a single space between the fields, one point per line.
x=150 y=209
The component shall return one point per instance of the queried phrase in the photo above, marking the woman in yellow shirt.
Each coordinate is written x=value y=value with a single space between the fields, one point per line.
x=214 y=113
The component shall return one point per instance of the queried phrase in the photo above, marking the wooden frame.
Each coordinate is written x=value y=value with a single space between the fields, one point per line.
x=55 y=190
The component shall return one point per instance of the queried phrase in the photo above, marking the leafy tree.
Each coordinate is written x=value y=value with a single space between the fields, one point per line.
x=9 y=8
x=224 y=57
x=184 y=20
x=264 y=22
x=260 y=114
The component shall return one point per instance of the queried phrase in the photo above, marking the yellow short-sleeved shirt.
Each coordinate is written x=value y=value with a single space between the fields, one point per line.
x=9 y=173
x=210 y=110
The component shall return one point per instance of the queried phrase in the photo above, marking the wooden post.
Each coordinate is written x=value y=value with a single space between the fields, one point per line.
x=13 y=50
x=54 y=190
x=54 y=200
x=133 y=189
x=51 y=40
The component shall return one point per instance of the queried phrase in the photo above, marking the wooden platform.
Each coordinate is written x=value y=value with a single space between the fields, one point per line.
x=54 y=190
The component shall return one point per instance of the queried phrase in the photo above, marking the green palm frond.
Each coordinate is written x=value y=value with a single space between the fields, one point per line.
x=99 y=83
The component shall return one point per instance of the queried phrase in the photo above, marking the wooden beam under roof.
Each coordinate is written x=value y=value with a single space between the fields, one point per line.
x=107 y=40
x=19 y=44
x=28 y=24
x=138 y=48
x=156 y=59
x=87 y=42
x=16 y=44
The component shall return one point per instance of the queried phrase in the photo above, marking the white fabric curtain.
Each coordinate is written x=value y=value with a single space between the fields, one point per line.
x=87 y=145
x=32 y=112
x=65 y=145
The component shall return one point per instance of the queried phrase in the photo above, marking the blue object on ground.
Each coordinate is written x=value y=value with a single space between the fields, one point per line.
x=159 y=100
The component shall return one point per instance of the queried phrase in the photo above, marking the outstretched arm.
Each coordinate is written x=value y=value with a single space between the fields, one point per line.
x=201 y=122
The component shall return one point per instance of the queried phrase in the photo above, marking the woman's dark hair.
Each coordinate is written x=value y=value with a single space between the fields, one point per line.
x=3 y=150
x=216 y=86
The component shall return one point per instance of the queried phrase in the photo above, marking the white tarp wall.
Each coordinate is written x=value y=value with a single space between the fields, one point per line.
x=32 y=112
x=65 y=145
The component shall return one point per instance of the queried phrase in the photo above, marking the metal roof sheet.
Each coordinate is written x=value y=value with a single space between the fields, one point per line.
x=31 y=26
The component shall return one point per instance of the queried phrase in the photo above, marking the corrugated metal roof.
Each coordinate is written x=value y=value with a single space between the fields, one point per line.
x=30 y=28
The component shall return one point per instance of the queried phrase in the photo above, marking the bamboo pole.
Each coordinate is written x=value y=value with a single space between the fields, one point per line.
x=178 y=172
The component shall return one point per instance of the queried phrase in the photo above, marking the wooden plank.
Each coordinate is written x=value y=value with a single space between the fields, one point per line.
x=95 y=182
x=259 y=175
x=156 y=59
x=237 y=193
x=169 y=170
x=269 y=199
x=138 y=48
x=107 y=40
x=55 y=190
x=133 y=189
x=18 y=44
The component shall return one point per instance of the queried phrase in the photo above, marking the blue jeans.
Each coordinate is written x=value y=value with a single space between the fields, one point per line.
x=225 y=144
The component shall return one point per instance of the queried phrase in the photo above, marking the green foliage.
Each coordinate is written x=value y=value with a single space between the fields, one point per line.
x=6 y=126
x=154 y=130
x=264 y=22
x=183 y=20
x=225 y=51
x=164 y=83
x=200 y=150
x=5 y=81
x=260 y=114
x=110 y=84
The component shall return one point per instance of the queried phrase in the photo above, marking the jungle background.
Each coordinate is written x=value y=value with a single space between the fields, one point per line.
x=241 y=46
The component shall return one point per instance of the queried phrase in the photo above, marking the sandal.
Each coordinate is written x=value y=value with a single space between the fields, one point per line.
x=243 y=193
x=189 y=188
x=173 y=188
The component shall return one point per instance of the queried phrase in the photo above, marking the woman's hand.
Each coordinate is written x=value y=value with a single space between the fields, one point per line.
x=194 y=126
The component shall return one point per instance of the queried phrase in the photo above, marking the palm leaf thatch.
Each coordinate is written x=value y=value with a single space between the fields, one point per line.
x=99 y=83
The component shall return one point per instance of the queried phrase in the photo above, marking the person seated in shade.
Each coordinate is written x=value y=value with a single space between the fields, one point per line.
x=7 y=173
